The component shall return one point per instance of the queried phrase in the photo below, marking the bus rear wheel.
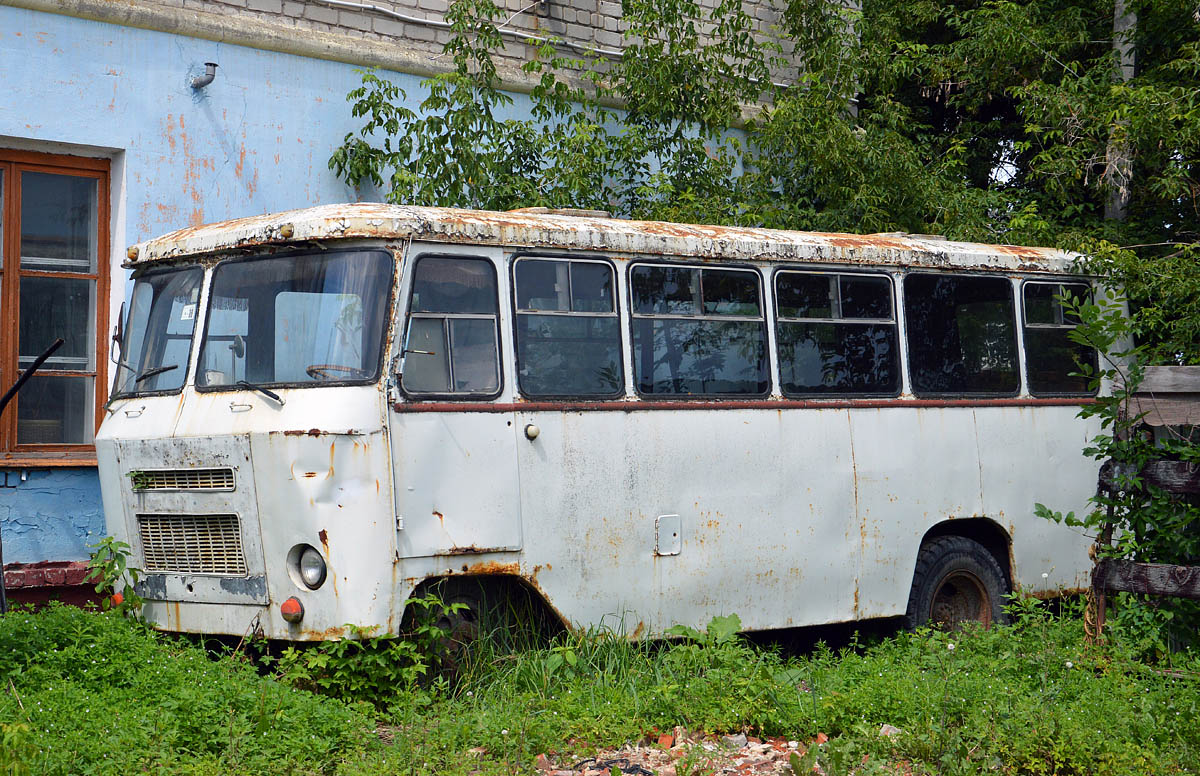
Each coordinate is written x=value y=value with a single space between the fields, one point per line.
x=956 y=581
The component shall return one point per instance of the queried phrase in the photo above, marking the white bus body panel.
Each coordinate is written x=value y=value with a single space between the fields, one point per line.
x=456 y=477
x=765 y=506
x=315 y=471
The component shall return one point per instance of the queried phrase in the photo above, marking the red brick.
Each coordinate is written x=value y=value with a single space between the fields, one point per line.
x=76 y=573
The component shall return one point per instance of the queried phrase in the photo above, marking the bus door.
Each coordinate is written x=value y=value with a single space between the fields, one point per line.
x=452 y=443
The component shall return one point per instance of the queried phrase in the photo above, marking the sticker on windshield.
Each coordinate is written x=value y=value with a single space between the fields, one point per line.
x=188 y=312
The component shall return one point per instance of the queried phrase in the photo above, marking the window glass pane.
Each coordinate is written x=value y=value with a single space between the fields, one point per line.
x=806 y=295
x=1050 y=355
x=451 y=285
x=569 y=355
x=591 y=287
x=577 y=354
x=297 y=319
x=1040 y=307
x=961 y=334
x=1051 y=358
x=427 y=371
x=817 y=358
x=58 y=307
x=58 y=222
x=223 y=359
x=162 y=315
x=665 y=290
x=464 y=289
x=473 y=355
x=2 y=182
x=681 y=357
x=730 y=293
x=542 y=285
x=866 y=297
x=55 y=410
x=329 y=345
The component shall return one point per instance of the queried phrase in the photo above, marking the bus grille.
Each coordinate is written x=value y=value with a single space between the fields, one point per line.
x=195 y=544
x=181 y=479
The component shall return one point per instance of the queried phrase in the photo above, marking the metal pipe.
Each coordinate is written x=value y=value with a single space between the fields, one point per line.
x=210 y=72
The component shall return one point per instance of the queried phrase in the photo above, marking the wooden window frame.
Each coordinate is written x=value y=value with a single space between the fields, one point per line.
x=12 y=164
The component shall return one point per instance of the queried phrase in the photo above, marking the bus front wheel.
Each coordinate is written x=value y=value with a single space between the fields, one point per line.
x=957 y=581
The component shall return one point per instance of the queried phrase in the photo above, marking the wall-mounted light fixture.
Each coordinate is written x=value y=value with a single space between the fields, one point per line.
x=210 y=72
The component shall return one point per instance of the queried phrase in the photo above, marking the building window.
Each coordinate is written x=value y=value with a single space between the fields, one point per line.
x=53 y=283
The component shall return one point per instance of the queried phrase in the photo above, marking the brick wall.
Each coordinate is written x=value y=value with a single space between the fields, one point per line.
x=581 y=24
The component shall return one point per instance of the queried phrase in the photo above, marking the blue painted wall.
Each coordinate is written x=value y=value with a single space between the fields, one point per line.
x=256 y=140
x=53 y=514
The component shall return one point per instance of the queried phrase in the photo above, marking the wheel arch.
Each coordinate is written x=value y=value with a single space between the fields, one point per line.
x=987 y=532
x=511 y=589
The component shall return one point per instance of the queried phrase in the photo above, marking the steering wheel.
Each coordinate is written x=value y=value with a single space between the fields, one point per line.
x=322 y=372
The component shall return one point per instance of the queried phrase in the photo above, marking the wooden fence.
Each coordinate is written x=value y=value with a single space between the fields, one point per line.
x=1168 y=398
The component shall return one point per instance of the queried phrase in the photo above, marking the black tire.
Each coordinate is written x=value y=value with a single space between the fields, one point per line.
x=462 y=629
x=957 y=581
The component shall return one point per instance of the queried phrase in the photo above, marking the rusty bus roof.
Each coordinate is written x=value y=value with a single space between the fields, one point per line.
x=557 y=231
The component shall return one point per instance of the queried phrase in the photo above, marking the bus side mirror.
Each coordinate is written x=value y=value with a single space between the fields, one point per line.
x=118 y=338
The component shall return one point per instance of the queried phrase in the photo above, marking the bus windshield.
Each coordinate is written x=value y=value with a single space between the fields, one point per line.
x=297 y=320
x=158 y=338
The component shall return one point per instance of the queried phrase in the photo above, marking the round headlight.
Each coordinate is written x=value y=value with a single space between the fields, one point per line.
x=312 y=568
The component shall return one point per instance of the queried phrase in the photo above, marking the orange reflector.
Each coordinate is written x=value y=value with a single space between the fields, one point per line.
x=292 y=610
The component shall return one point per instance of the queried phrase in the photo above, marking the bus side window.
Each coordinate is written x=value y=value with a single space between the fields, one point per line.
x=568 y=332
x=1050 y=355
x=453 y=328
x=961 y=334
x=837 y=334
x=698 y=331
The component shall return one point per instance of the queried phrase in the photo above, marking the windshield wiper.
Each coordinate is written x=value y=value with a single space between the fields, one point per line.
x=158 y=370
x=264 y=391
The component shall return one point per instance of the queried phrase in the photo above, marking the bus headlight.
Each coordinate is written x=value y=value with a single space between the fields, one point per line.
x=307 y=567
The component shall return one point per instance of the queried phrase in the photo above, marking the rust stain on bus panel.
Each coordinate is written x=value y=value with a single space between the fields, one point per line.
x=472 y=550
x=495 y=567
x=335 y=632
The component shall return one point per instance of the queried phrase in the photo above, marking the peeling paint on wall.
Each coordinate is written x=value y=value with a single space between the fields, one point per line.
x=52 y=515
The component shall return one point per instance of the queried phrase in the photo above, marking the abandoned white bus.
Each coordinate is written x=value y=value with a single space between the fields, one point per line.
x=317 y=414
